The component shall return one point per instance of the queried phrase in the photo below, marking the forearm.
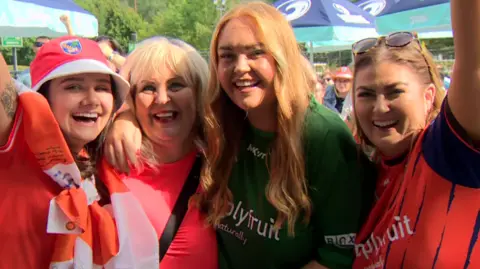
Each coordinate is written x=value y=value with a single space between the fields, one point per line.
x=8 y=107
x=118 y=60
x=464 y=92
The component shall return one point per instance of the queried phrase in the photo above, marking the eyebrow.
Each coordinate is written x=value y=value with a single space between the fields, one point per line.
x=390 y=86
x=246 y=47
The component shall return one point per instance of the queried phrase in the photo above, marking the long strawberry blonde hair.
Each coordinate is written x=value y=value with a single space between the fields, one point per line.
x=225 y=122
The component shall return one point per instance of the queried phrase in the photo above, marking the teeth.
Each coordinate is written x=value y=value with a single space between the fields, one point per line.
x=164 y=115
x=245 y=83
x=86 y=115
x=384 y=123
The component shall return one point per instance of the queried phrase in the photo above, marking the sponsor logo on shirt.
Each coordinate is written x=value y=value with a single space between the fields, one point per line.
x=256 y=152
x=246 y=218
x=399 y=230
x=341 y=240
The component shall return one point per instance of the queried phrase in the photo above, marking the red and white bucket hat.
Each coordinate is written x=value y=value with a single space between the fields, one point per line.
x=343 y=72
x=70 y=55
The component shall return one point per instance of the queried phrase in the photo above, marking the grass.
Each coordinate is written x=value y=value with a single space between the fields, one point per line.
x=19 y=67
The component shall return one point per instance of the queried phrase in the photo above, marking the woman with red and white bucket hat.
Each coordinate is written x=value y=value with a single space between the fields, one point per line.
x=51 y=216
x=336 y=94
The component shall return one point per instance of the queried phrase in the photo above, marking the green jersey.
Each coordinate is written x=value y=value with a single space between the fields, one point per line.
x=335 y=174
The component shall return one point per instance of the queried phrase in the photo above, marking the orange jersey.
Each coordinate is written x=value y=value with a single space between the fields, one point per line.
x=429 y=215
x=25 y=196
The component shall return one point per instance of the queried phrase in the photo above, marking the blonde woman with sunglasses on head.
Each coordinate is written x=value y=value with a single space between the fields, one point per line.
x=428 y=210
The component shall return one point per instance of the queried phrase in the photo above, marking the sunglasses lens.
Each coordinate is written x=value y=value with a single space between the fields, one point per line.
x=38 y=44
x=364 y=45
x=399 y=39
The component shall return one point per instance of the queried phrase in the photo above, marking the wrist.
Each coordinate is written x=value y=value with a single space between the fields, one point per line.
x=111 y=56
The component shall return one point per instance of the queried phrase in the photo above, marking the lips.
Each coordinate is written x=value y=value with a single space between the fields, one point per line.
x=385 y=124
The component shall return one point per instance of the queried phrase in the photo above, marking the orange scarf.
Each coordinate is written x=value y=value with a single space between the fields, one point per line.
x=87 y=235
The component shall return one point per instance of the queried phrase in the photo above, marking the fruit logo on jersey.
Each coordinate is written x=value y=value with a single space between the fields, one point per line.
x=294 y=9
x=373 y=7
x=72 y=47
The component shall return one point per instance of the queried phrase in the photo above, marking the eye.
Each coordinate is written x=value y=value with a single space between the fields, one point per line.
x=176 y=86
x=226 y=56
x=103 y=88
x=257 y=52
x=365 y=94
x=73 y=87
x=148 y=89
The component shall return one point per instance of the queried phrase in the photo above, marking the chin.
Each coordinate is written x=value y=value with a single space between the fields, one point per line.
x=390 y=146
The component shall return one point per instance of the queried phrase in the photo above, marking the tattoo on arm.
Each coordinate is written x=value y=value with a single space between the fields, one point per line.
x=8 y=98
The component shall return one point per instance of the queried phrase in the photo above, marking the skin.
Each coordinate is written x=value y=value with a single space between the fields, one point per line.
x=43 y=40
x=343 y=86
x=167 y=93
x=390 y=92
x=8 y=101
x=243 y=58
x=84 y=93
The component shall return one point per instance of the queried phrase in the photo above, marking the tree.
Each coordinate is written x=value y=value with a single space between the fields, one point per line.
x=192 y=23
x=116 y=19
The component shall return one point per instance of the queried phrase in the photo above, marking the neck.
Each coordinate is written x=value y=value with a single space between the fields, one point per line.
x=263 y=119
x=173 y=151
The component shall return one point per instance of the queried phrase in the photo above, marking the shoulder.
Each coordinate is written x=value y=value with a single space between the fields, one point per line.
x=323 y=126
x=449 y=151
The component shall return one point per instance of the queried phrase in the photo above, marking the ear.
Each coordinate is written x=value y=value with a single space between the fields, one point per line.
x=429 y=97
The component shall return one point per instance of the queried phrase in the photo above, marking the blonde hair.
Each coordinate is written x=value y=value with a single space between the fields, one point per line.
x=287 y=189
x=420 y=61
x=182 y=59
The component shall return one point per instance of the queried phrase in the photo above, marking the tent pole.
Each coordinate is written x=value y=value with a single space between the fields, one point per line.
x=311 y=51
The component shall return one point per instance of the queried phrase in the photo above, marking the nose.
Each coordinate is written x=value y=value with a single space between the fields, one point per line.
x=381 y=104
x=242 y=64
x=161 y=96
x=91 y=97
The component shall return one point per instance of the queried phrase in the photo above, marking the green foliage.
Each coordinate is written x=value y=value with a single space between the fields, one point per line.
x=192 y=23
x=116 y=19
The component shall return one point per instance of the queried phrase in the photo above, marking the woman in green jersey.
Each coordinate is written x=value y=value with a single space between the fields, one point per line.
x=284 y=183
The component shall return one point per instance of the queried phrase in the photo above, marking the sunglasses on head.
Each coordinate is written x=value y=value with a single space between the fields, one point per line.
x=38 y=44
x=395 y=40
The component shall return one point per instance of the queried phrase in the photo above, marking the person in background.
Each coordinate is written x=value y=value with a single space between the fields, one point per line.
x=24 y=77
x=113 y=51
x=335 y=94
x=326 y=78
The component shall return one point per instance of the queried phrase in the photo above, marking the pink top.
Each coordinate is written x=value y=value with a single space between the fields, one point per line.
x=194 y=245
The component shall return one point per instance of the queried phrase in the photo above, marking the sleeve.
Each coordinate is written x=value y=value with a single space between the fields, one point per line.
x=342 y=191
x=450 y=152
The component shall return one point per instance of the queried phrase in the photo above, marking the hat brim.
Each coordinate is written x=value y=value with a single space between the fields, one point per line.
x=346 y=76
x=89 y=66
